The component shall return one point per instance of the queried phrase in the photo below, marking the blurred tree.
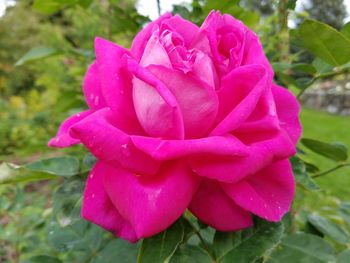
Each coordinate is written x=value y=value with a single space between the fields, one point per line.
x=331 y=12
x=265 y=7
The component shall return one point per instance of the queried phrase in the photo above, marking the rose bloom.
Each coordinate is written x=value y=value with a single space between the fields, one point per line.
x=188 y=118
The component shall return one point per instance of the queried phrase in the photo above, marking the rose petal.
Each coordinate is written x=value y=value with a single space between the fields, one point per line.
x=197 y=100
x=254 y=54
x=240 y=92
x=115 y=80
x=155 y=53
x=151 y=205
x=263 y=118
x=186 y=29
x=287 y=110
x=99 y=209
x=268 y=193
x=92 y=88
x=99 y=134
x=156 y=107
x=261 y=154
x=213 y=207
x=170 y=149
x=62 y=138
x=140 y=41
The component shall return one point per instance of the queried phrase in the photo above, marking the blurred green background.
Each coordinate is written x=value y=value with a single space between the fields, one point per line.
x=45 y=49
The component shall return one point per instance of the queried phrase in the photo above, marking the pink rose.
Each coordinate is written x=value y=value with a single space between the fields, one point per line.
x=187 y=118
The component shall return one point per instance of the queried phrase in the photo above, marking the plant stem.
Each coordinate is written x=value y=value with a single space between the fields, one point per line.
x=331 y=170
x=202 y=240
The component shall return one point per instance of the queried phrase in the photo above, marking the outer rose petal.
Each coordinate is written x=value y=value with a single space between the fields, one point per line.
x=268 y=193
x=99 y=209
x=212 y=206
x=287 y=110
x=156 y=107
x=151 y=204
x=247 y=83
x=198 y=101
x=171 y=149
x=254 y=53
x=233 y=169
x=115 y=80
x=141 y=39
x=99 y=133
x=63 y=139
x=92 y=88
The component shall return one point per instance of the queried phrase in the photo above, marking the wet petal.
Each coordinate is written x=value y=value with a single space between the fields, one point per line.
x=170 y=149
x=151 y=204
x=115 y=80
x=99 y=209
x=261 y=154
x=268 y=193
x=99 y=134
x=62 y=138
x=92 y=88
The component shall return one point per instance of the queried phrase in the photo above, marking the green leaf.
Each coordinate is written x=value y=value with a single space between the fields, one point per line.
x=346 y=30
x=66 y=201
x=117 y=250
x=325 y=42
x=63 y=166
x=301 y=176
x=161 y=247
x=46 y=6
x=42 y=259
x=225 y=241
x=321 y=66
x=264 y=237
x=36 y=54
x=344 y=211
x=335 y=151
x=306 y=68
x=302 y=248
x=89 y=161
x=80 y=236
x=190 y=254
x=12 y=173
x=328 y=228
x=344 y=256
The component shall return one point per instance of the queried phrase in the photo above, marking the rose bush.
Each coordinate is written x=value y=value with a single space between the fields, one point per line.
x=189 y=117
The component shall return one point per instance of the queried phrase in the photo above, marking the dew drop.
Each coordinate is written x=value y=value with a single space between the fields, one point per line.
x=93 y=195
x=91 y=175
x=97 y=98
x=125 y=150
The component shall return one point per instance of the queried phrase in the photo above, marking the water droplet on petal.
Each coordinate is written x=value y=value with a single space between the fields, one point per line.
x=91 y=175
x=97 y=98
x=125 y=150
